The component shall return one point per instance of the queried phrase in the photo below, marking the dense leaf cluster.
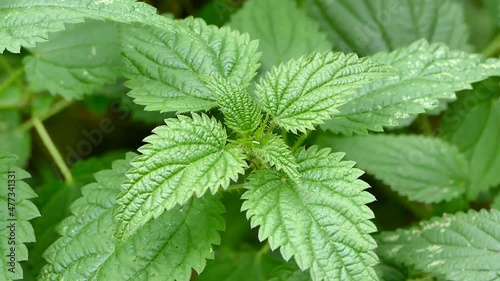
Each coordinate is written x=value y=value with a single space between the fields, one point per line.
x=267 y=107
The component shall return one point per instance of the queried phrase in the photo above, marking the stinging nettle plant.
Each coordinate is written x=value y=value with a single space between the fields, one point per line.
x=272 y=111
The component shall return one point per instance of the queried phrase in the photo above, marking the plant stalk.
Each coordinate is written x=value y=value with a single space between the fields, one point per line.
x=49 y=144
x=54 y=110
x=493 y=49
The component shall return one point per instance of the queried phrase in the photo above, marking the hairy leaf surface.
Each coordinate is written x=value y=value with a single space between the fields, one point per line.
x=322 y=222
x=306 y=91
x=54 y=199
x=423 y=168
x=240 y=111
x=165 y=67
x=86 y=250
x=26 y=22
x=472 y=123
x=428 y=74
x=367 y=27
x=461 y=247
x=284 y=31
x=184 y=158
x=76 y=61
x=16 y=212
x=275 y=152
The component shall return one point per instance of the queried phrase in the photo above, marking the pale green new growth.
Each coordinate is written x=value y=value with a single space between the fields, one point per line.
x=177 y=242
x=284 y=32
x=76 y=61
x=461 y=247
x=304 y=92
x=428 y=74
x=275 y=152
x=423 y=168
x=15 y=212
x=366 y=27
x=472 y=123
x=240 y=111
x=26 y=22
x=322 y=222
x=165 y=67
x=184 y=158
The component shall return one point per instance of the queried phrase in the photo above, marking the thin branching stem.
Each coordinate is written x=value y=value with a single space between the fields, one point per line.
x=49 y=144
x=54 y=110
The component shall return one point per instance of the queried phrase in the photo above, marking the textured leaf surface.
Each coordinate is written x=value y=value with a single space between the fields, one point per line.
x=275 y=152
x=473 y=124
x=461 y=247
x=247 y=265
x=165 y=67
x=367 y=27
x=284 y=32
x=87 y=249
x=76 y=61
x=184 y=158
x=322 y=222
x=16 y=212
x=240 y=111
x=26 y=22
x=54 y=199
x=428 y=74
x=304 y=92
x=423 y=168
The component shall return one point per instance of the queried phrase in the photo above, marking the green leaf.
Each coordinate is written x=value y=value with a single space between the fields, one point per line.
x=461 y=247
x=425 y=169
x=165 y=67
x=184 y=158
x=248 y=265
x=16 y=211
x=87 y=249
x=323 y=221
x=304 y=92
x=284 y=32
x=428 y=74
x=367 y=27
x=13 y=138
x=240 y=111
x=275 y=152
x=26 y=22
x=54 y=199
x=76 y=61
x=472 y=124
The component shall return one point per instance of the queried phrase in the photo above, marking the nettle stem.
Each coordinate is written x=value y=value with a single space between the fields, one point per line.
x=493 y=49
x=49 y=144
x=300 y=141
x=12 y=78
x=53 y=111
